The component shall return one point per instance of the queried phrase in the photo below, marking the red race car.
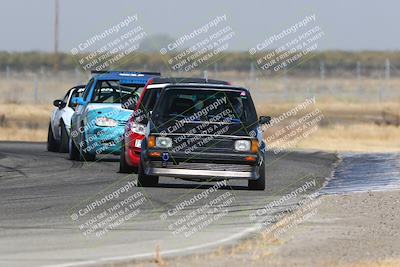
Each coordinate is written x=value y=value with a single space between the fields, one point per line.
x=136 y=125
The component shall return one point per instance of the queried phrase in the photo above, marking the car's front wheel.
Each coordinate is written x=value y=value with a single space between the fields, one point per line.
x=84 y=151
x=258 y=184
x=52 y=144
x=123 y=166
x=64 y=140
x=73 y=150
x=146 y=180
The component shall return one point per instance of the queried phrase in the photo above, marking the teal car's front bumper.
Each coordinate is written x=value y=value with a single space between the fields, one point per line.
x=105 y=140
x=102 y=139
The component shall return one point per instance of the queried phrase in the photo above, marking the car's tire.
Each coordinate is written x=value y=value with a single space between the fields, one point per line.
x=73 y=150
x=84 y=155
x=87 y=157
x=64 y=138
x=52 y=144
x=123 y=166
x=146 y=180
x=258 y=184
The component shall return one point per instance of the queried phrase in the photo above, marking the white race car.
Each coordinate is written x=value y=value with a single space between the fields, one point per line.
x=60 y=121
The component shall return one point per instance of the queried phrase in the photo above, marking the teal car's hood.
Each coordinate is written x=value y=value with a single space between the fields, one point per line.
x=109 y=110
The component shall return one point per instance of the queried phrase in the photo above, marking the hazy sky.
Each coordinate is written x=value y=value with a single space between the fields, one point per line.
x=348 y=25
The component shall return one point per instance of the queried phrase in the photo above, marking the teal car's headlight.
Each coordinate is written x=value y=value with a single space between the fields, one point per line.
x=106 y=122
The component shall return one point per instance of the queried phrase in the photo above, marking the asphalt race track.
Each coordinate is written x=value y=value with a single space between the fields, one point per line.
x=46 y=213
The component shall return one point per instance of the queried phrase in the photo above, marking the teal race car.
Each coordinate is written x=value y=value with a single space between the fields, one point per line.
x=97 y=125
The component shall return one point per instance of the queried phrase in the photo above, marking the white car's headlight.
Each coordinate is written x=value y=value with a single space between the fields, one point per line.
x=138 y=128
x=163 y=142
x=106 y=122
x=242 y=145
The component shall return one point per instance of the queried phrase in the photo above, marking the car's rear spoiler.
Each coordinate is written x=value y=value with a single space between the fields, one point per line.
x=159 y=80
x=124 y=71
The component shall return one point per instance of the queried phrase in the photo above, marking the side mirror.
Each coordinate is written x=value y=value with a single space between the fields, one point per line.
x=57 y=103
x=77 y=101
x=264 y=120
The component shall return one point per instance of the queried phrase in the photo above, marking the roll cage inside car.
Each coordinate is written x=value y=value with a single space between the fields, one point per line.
x=125 y=80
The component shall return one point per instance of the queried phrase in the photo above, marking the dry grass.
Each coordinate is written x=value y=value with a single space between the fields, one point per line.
x=23 y=113
x=49 y=86
x=354 y=137
x=23 y=134
x=24 y=122
x=346 y=126
x=382 y=263
x=349 y=123
x=21 y=87
x=341 y=111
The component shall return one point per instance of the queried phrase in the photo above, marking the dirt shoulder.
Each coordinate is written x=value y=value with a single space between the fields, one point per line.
x=347 y=230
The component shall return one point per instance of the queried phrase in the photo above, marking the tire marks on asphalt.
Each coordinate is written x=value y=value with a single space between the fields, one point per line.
x=11 y=170
x=365 y=172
